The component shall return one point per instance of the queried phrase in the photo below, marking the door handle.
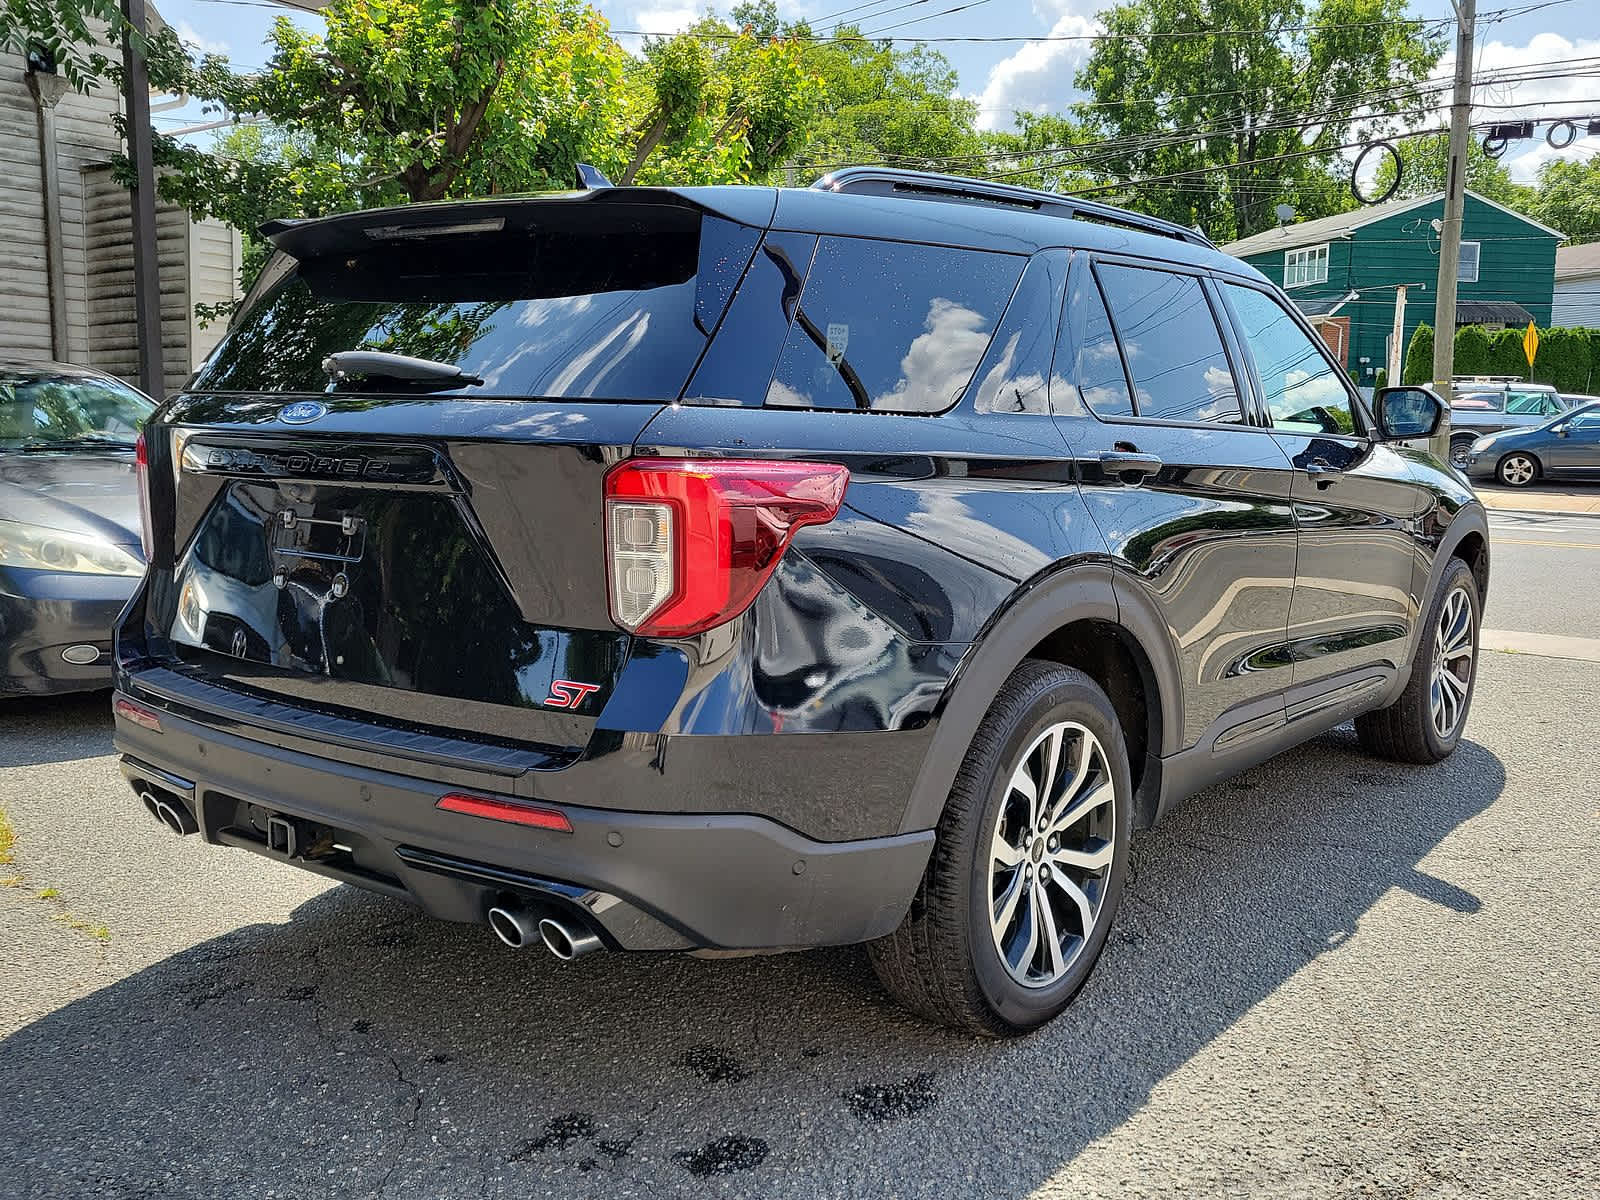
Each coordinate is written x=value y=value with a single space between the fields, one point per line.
x=1129 y=465
x=1323 y=474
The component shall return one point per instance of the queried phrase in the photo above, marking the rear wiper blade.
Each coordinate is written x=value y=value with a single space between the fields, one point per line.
x=381 y=365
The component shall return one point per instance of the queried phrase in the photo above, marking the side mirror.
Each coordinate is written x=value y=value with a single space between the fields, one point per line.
x=1561 y=430
x=1408 y=412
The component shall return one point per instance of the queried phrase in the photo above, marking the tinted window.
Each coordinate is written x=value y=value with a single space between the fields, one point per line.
x=591 y=311
x=1531 y=404
x=739 y=362
x=1303 y=393
x=1172 y=346
x=39 y=408
x=1015 y=372
x=1088 y=370
x=893 y=327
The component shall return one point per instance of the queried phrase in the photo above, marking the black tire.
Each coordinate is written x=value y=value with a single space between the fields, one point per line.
x=1507 y=472
x=1460 y=450
x=1405 y=732
x=943 y=962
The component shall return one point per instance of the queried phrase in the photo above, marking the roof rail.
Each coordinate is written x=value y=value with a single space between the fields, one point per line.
x=930 y=185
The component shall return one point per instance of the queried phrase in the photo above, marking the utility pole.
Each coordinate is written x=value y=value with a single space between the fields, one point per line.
x=1444 y=323
x=1396 y=348
x=142 y=199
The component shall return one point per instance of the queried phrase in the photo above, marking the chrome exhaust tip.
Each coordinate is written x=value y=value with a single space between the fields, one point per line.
x=170 y=811
x=567 y=942
x=514 y=927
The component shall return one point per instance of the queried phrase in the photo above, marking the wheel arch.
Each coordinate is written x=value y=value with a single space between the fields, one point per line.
x=1071 y=616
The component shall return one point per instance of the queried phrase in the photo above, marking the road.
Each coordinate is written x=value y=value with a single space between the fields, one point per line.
x=1332 y=976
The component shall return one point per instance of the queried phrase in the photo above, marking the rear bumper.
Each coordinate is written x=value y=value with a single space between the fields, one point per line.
x=43 y=614
x=643 y=880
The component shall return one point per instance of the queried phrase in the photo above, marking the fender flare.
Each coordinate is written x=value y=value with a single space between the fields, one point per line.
x=1086 y=591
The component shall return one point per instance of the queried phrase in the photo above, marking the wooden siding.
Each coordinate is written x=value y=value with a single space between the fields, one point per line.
x=1517 y=263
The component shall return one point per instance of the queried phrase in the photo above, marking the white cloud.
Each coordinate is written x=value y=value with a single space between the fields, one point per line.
x=1541 y=99
x=657 y=20
x=1038 y=76
x=189 y=36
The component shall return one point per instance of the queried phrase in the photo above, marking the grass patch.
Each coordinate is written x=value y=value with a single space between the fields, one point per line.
x=72 y=921
x=8 y=838
x=8 y=846
x=10 y=881
x=49 y=894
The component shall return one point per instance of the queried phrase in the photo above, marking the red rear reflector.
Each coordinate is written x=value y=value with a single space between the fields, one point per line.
x=691 y=541
x=506 y=810
x=137 y=713
x=141 y=455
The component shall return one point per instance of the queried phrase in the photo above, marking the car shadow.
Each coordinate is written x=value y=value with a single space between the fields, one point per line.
x=35 y=730
x=360 y=1048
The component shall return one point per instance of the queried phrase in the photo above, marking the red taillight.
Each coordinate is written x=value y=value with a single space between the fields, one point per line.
x=506 y=810
x=137 y=713
x=690 y=541
x=146 y=529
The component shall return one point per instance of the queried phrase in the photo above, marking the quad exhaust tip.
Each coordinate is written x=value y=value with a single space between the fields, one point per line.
x=519 y=929
x=169 y=810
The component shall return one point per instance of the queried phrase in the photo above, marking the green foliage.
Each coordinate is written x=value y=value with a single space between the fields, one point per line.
x=1035 y=148
x=1176 y=104
x=1505 y=354
x=1563 y=359
x=1419 y=357
x=1472 y=350
x=885 y=105
x=1568 y=197
x=1425 y=165
x=83 y=37
x=1380 y=380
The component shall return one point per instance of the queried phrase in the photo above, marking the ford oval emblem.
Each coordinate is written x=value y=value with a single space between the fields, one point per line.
x=302 y=412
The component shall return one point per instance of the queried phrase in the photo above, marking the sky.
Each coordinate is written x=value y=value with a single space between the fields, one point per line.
x=1003 y=77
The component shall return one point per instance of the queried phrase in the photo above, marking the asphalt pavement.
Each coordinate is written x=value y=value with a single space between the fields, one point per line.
x=1331 y=976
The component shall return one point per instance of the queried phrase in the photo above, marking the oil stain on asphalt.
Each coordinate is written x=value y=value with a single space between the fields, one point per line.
x=713 y=1065
x=876 y=1103
x=735 y=1152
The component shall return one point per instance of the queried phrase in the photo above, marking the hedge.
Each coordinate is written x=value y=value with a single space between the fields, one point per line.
x=1567 y=358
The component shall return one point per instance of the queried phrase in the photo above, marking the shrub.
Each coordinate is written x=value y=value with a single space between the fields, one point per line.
x=1505 y=354
x=1472 y=350
x=1563 y=359
x=1419 y=357
x=1380 y=380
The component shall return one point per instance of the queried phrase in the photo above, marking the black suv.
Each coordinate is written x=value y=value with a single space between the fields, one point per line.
x=741 y=568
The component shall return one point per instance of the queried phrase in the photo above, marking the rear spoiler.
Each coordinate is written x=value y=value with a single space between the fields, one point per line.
x=345 y=233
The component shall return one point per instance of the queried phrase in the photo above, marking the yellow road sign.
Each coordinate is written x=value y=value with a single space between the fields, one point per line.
x=1530 y=343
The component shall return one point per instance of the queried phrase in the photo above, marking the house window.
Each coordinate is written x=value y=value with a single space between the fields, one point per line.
x=1467 y=263
x=1301 y=267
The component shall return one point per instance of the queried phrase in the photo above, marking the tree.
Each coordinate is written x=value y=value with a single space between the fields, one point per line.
x=717 y=105
x=417 y=100
x=1247 y=121
x=1425 y=164
x=1034 y=152
x=1568 y=198
x=1418 y=366
x=82 y=37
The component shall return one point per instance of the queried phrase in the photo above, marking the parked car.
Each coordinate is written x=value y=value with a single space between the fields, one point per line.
x=1479 y=408
x=69 y=523
x=1567 y=447
x=741 y=568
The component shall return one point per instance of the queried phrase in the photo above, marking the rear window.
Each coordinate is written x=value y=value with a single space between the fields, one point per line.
x=891 y=327
x=608 y=313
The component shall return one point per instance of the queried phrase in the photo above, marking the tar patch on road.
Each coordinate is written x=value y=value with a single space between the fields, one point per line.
x=876 y=1103
x=723 y=1156
x=713 y=1065
x=559 y=1132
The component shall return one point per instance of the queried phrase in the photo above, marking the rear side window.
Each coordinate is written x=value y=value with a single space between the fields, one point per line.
x=1088 y=367
x=603 y=308
x=891 y=327
x=1172 y=345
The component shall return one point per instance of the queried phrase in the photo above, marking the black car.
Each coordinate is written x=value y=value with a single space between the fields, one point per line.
x=743 y=568
x=70 y=553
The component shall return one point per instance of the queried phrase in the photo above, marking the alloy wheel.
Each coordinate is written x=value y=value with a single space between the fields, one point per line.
x=1051 y=854
x=1517 y=470
x=1453 y=656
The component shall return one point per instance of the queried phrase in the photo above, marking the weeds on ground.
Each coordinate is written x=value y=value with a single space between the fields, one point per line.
x=8 y=847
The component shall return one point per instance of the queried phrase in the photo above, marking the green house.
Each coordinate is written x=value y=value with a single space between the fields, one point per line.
x=1344 y=271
